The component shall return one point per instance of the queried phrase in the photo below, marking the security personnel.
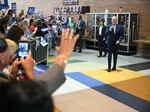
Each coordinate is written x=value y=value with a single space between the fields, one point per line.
x=80 y=29
x=101 y=37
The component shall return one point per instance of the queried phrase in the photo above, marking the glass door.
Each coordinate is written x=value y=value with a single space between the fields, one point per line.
x=123 y=20
x=90 y=26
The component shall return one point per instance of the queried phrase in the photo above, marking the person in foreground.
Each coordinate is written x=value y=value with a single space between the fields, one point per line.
x=25 y=96
x=54 y=76
x=33 y=94
x=115 y=35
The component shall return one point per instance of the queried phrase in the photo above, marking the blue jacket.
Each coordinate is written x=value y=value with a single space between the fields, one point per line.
x=111 y=37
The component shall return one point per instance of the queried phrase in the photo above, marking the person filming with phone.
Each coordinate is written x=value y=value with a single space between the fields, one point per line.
x=54 y=76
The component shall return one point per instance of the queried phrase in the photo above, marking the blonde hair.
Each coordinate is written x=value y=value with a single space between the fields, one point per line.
x=12 y=46
x=9 y=54
x=2 y=35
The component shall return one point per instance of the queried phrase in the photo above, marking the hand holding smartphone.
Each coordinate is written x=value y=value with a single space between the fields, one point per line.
x=22 y=53
x=23 y=49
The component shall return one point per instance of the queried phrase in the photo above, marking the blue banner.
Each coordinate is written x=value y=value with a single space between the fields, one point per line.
x=13 y=6
x=31 y=10
x=4 y=4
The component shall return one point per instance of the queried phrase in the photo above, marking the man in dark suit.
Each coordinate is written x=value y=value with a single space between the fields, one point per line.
x=114 y=34
x=80 y=29
x=101 y=37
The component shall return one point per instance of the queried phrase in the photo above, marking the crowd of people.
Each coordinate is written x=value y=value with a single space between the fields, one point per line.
x=32 y=94
x=66 y=35
x=35 y=25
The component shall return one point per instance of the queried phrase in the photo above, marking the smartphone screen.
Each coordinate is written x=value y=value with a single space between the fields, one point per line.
x=44 y=29
x=23 y=49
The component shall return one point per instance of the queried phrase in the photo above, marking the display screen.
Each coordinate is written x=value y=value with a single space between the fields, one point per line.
x=23 y=49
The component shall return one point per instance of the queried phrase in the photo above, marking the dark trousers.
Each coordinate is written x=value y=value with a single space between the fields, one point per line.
x=112 y=50
x=102 y=46
x=79 y=43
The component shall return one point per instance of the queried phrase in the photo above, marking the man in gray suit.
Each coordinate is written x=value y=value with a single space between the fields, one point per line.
x=54 y=76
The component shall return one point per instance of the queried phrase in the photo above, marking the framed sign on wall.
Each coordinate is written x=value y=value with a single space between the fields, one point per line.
x=70 y=2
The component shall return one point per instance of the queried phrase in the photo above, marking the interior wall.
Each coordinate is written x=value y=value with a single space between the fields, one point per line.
x=139 y=6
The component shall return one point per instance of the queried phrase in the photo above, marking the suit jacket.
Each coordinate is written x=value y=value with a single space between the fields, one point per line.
x=103 y=32
x=81 y=30
x=52 y=78
x=113 y=38
x=3 y=76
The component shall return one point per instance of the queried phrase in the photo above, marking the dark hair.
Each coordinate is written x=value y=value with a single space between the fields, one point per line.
x=38 y=23
x=15 y=33
x=3 y=45
x=10 y=12
x=80 y=17
x=4 y=21
x=102 y=19
x=31 y=21
x=25 y=96
x=3 y=14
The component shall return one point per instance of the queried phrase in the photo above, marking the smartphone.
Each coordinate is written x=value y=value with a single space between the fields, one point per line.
x=44 y=29
x=22 y=53
x=23 y=49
